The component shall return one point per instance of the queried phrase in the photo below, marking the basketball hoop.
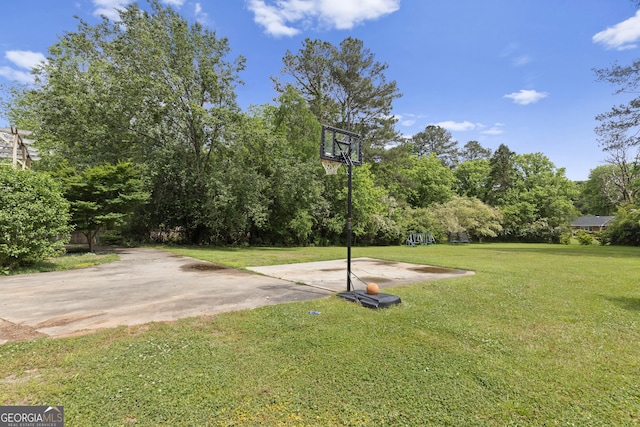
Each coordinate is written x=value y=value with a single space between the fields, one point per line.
x=330 y=167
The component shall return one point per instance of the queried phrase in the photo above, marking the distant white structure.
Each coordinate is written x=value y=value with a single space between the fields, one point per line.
x=13 y=146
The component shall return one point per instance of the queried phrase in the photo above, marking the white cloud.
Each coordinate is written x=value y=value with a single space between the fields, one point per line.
x=270 y=18
x=283 y=17
x=25 y=58
x=621 y=36
x=517 y=59
x=496 y=129
x=16 y=75
x=457 y=126
x=405 y=120
x=526 y=96
x=521 y=60
x=201 y=17
x=109 y=8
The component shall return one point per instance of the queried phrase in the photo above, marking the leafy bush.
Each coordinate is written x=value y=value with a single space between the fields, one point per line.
x=539 y=231
x=601 y=237
x=625 y=228
x=421 y=220
x=34 y=217
x=478 y=219
x=584 y=238
x=565 y=238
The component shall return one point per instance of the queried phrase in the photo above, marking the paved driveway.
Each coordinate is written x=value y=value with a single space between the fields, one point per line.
x=145 y=285
x=148 y=285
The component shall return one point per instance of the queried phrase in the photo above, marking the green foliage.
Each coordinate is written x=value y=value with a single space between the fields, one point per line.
x=502 y=175
x=391 y=172
x=437 y=141
x=470 y=215
x=33 y=217
x=565 y=238
x=345 y=87
x=374 y=216
x=599 y=195
x=601 y=237
x=472 y=150
x=432 y=182
x=618 y=127
x=152 y=89
x=584 y=237
x=472 y=178
x=422 y=220
x=537 y=202
x=68 y=261
x=284 y=152
x=104 y=196
x=625 y=227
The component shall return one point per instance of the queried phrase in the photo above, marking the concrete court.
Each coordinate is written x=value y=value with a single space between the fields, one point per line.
x=148 y=285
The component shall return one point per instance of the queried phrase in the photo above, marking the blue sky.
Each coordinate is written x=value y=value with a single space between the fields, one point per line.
x=514 y=72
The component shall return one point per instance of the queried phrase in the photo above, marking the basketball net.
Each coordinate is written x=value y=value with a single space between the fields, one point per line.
x=330 y=167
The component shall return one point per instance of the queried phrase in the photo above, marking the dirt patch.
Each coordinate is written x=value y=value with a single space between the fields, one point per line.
x=202 y=267
x=384 y=262
x=65 y=320
x=28 y=375
x=436 y=270
x=10 y=331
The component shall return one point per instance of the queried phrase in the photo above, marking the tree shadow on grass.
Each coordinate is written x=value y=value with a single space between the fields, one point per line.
x=625 y=302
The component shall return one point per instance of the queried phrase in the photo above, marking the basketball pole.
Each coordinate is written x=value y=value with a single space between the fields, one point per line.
x=347 y=160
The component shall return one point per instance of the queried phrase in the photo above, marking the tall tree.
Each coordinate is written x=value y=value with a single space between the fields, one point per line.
x=472 y=178
x=502 y=175
x=432 y=182
x=538 y=201
x=598 y=194
x=151 y=88
x=345 y=87
x=282 y=147
x=619 y=127
x=625 y=174
x=437 y=141
x=473 y=150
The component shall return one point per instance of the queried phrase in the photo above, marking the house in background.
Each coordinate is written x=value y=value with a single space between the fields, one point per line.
x=591 y=224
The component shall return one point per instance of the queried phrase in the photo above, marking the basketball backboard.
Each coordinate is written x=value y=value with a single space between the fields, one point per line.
x=340 y=145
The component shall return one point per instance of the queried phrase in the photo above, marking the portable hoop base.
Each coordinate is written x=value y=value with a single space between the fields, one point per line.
x=371 y=301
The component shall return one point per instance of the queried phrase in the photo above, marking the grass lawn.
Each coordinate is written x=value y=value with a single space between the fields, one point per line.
x=541 y=335
x=68 y=261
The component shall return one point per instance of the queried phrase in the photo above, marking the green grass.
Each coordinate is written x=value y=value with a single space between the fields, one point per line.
x=67 y=262
x=541 y=335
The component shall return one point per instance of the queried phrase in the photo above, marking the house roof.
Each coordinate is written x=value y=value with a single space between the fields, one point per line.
x=592 y=221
